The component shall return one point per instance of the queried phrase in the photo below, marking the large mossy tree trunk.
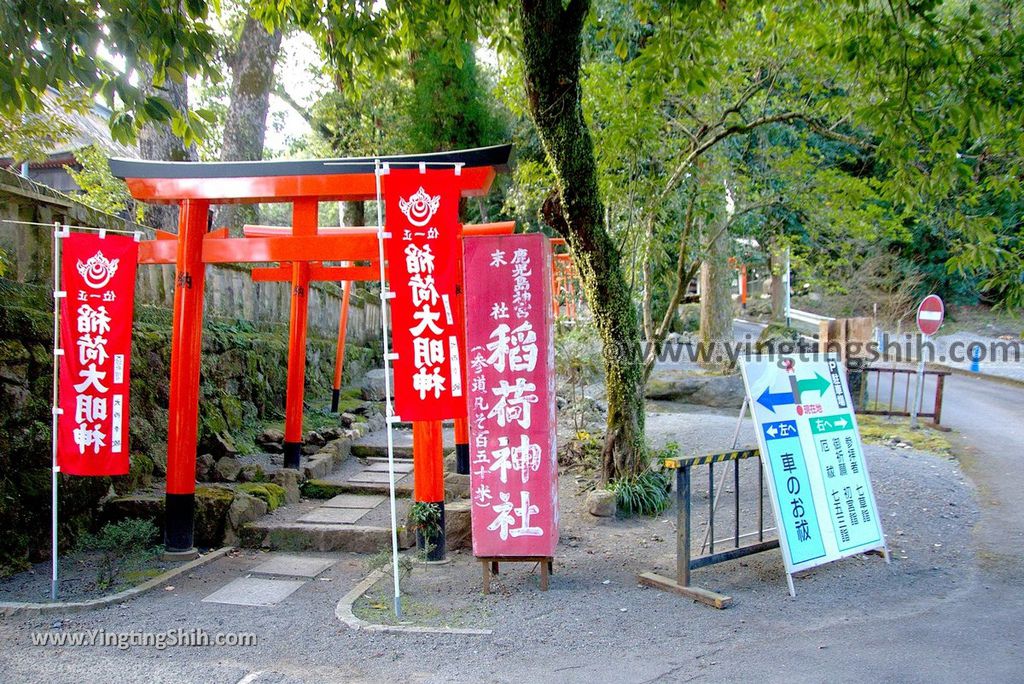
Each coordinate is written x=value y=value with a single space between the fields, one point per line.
x=245 y=127
x=353 y=214
x=551 y=55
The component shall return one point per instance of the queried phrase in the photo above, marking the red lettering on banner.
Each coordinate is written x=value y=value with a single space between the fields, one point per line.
x=422 y=253
x=511 y=387
x=98 y=275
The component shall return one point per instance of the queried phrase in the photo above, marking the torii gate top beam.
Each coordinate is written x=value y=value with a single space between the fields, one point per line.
x=289 y=180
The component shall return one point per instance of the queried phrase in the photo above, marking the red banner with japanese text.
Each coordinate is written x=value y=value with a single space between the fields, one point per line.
x=98 y=277
x=511 y=388
x=422 y=216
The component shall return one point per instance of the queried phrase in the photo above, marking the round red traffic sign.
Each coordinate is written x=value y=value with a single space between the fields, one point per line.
x=930 y=314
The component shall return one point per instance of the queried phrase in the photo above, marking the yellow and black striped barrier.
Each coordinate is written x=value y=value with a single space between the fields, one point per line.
x=708 y=459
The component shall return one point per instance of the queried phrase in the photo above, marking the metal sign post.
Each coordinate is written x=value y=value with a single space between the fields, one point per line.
x=390 y=417
x=930 y=313
x=59 y=232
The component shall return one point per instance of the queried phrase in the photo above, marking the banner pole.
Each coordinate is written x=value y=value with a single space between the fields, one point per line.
x=58 y=233
x=389 y=410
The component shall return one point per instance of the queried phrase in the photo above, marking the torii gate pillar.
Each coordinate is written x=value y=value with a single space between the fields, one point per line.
x=186 y=348
x=304 y=222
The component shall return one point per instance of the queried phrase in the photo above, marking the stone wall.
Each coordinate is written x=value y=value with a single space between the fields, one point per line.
x=243 y=380
x=230 y=291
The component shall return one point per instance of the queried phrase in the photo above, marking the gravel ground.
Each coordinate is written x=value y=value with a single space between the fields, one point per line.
x=595 y=623
x=78 y=576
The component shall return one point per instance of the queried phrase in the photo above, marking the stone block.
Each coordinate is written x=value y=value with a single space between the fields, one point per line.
x=601 y=503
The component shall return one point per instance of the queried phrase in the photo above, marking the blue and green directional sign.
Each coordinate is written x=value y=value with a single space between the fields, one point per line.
x=818 y=478
x=796 y=503
x=851 y=501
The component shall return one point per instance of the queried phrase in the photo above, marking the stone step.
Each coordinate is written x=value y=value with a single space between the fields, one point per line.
x=380 y=451
x=296 y=536
x=325 y=489
x=402 y=451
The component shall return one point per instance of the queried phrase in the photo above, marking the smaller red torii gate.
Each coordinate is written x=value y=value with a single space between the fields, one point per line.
x=303 y=184
x=427 y=442
x=563 y=280
x=347 y=275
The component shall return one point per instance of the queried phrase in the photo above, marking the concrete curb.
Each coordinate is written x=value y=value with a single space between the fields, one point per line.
x=343 y=611
x=9 y=608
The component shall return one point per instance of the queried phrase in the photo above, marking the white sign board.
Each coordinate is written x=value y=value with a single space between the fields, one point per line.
x=814 y=462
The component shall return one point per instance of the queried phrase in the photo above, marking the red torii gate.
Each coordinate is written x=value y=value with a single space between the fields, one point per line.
x=563 y=279
x=194 y=187
x=427 y=441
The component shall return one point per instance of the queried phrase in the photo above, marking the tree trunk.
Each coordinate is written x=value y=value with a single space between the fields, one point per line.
x=246 y=125
x=551 y=55
x=778 y=294
x=353 y=213
x=158 y=143
x=715 y=304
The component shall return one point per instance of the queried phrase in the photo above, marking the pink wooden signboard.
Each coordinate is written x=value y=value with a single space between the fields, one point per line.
x=511 y=378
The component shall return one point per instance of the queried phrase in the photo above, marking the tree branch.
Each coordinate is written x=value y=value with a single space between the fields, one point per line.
x=282 y=93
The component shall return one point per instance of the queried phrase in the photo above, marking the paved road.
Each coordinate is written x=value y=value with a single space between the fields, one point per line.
x=988 y=419
x=976 y=635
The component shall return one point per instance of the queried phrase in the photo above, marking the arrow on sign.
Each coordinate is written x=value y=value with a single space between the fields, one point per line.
x=842 y=422
x=818 y=383
x=772 y=430
x=770 y=401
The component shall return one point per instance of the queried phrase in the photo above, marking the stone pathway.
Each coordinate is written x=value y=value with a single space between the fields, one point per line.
x=358 y=518
x=265 y=592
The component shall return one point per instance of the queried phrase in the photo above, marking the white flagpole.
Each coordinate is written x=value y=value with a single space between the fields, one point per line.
x=58 y=294
x=390 y=418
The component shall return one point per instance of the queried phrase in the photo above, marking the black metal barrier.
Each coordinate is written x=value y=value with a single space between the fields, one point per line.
x=684 y=562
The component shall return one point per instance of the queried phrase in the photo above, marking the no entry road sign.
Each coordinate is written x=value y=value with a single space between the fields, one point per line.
x=930 y=314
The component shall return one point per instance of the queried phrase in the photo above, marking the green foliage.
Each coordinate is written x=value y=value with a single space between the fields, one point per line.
x=425 y=518
x=121 y=544
x=364 y=41
x=776 y=338
x=131 y=535
x=643 y=494
x=30 y=135
x=320 y=489
x=77 y=45
x=835 y=128
x=100 y=189
x=670 y=450
x=382 y=560
x=448 y=107
x=578 y=362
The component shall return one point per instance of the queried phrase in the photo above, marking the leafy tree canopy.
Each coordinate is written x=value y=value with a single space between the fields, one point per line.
x=100 y=46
